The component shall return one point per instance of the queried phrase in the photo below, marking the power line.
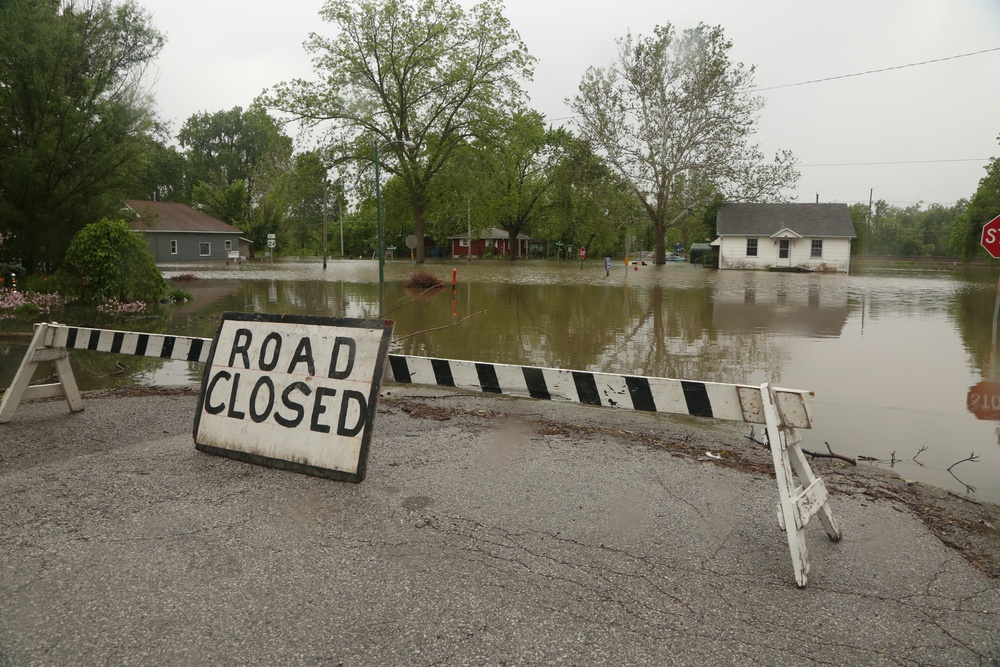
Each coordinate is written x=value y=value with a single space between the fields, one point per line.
x=876 y=71
x=863 y=164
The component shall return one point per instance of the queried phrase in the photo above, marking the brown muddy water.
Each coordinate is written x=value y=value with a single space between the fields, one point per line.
x=892 y=356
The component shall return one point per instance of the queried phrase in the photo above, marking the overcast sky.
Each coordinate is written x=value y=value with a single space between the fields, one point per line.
x=911 y=134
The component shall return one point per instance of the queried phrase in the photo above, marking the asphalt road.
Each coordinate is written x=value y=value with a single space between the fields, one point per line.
x=489 y=531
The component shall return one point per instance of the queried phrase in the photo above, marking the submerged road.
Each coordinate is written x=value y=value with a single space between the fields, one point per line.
x=489 y=531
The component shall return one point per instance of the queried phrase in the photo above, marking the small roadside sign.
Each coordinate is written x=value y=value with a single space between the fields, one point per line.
x=294 y=392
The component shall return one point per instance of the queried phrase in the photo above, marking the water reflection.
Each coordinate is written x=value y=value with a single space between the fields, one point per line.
x=891 y=356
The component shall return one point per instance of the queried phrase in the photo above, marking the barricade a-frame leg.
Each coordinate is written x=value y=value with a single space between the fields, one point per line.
x=41 y=350
x=797 y=503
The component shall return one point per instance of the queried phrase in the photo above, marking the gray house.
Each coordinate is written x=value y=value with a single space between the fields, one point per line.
x=178 y=233
x=808 y=237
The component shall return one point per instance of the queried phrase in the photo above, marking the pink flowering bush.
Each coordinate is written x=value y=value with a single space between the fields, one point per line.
x=29 y=303
x=116 y=307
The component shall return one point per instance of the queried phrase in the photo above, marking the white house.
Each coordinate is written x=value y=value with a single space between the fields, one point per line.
x=807 y=237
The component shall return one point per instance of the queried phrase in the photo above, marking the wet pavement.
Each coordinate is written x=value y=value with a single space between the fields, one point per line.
x=489 y=531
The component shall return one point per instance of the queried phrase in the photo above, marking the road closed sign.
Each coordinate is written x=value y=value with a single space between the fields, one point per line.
x=293 y=392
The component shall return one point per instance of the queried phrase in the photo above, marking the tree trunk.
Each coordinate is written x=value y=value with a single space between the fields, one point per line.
x=661 y=242
x=419 y=228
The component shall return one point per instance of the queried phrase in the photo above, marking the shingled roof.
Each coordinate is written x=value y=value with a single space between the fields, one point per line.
x=826 y=220
x=161 y=216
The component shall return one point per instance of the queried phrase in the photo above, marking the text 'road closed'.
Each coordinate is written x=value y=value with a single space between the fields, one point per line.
x=299 y=390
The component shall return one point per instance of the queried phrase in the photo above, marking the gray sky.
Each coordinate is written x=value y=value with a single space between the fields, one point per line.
x=937 y=124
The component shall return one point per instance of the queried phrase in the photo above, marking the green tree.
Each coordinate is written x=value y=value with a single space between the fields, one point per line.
x=589 y=205
x=673 y=116
x=983 y=207
x=237 y=161
x=312 y=197
x=420 y=71
x=163 y=173
x=73 y=118
x=514 y=168
x=107 y=260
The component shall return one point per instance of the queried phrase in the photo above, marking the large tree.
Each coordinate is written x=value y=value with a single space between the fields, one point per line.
x=420 y=71
x=514 y=173
x=238 y=160
x=73 y=118
x=589 y=205
x=983 y=207
x=673 y=115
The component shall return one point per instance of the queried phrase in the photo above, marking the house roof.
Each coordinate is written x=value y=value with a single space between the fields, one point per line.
x=491 y=233
x=825 y=220
x=161 y=216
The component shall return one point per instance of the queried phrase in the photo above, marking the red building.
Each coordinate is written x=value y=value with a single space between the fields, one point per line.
x=491 y=241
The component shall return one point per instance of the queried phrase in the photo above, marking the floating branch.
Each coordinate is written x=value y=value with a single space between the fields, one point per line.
x=399 y=338
x=971 y=457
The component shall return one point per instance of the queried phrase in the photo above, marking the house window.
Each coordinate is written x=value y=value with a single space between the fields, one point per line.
x=751 y=247
x=173 y=246
x=205 y=249
x=463 y=243
x=229 y=245
x=817 y=248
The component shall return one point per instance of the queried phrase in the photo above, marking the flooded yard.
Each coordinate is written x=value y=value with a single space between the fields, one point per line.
x=901 y=362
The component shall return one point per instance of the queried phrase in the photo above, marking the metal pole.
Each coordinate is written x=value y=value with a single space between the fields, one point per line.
x=378 y=217
x=340 y=203
x=326 y=188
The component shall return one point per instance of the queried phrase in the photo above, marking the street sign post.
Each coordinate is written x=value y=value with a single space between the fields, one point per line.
x=991 y=237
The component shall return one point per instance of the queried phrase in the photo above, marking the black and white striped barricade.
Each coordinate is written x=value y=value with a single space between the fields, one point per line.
x=781 y=411
x=51 y=342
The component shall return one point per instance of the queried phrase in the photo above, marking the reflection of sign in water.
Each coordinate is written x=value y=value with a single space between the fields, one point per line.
x=295 y=392
x=984 y=400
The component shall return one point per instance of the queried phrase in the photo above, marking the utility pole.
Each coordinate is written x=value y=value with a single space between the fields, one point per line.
x=868 y=244
x=326 y=187
x=340 y=203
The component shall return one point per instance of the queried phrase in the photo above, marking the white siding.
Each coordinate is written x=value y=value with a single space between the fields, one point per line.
x=836 y=254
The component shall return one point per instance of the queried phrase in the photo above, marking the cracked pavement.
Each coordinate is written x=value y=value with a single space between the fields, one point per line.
x=486 y=533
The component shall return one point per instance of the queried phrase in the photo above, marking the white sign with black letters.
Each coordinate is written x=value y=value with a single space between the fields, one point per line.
x=293 y=392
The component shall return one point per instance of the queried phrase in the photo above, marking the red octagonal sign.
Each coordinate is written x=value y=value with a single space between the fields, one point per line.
x=991 y=237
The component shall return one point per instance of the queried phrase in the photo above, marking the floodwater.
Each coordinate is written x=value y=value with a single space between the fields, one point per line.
x=895 y=358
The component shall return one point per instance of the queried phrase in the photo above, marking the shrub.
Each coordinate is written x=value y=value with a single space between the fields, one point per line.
x=177 y=295
x=423 y=280
x=108 y=261
x=116 y=307
x=28 y=303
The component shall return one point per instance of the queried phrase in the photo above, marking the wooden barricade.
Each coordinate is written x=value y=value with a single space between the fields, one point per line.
x=782 y=412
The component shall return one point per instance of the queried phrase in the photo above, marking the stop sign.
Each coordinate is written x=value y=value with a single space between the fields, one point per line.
x=991 y=237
